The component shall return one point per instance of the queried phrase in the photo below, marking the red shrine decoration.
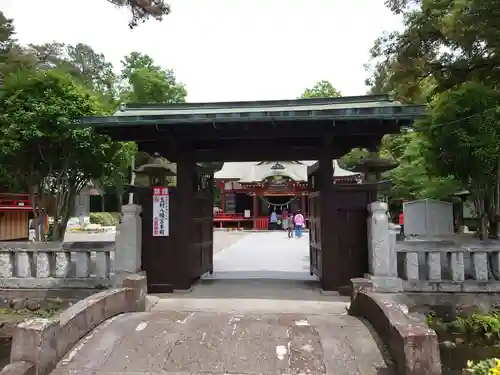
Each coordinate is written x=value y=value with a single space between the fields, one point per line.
x=250 y=191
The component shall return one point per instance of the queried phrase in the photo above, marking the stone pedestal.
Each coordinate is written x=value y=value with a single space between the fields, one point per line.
x=382 y=251
x=128 y=243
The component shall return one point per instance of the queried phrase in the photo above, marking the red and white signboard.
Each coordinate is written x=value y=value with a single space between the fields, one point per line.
x=160 y=212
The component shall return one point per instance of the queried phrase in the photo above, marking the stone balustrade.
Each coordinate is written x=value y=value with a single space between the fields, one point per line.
x=52 y=265
x=445 y=266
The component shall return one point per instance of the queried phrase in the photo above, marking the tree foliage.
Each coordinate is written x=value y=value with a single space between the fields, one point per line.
x=321 y=89
x=447 y=41
x=463 y=141
x=142 y=10
x=39 y=112
x=146 y=82
x=447 y=56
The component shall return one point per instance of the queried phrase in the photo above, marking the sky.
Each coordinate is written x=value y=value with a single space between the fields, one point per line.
x=224 y=50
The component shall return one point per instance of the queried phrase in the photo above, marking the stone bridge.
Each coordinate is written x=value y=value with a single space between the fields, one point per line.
x=236 y=326
x=123 y=331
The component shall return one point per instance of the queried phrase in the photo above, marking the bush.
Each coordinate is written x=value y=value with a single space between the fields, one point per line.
x=476 y=329
x=106 y=219
x=486 y=367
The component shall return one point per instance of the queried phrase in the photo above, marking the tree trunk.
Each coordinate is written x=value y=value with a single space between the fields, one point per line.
x=489 y=206
x=483 y=227
x=36 y=215
x=63 y=212
x=482 y=216
x=119 y=198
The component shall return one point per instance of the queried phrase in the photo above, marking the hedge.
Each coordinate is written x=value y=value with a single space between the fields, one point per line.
x=106 y=219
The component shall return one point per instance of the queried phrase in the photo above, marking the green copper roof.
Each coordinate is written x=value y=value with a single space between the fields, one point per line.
x=354 y=107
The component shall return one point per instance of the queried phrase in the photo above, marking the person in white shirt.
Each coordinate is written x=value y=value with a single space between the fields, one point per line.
x=273 y=219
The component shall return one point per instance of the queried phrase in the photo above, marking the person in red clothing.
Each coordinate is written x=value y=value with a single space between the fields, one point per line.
x=402 y=223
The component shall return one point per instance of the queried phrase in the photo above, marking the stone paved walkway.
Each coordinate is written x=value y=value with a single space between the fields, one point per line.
x=183 y=335
x=239 y=326
x=265 y=255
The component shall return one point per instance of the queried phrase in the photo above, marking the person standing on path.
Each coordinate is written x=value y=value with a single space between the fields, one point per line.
x=273 y=219
x=299 y=223
x=290 y=226
x=284 y=219
x=402 y=223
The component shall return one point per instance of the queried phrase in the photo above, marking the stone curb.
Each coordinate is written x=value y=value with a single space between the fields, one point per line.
x=39 y=344
x=412 y=344
x=19 y=368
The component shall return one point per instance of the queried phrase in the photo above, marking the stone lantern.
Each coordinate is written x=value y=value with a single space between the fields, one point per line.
x=156 y=171
x=373 y=166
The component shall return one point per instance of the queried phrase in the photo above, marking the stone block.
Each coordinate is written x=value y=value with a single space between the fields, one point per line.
x=411 y=266
x=386 y=284
x=129 y=240
x=450 y=287
x=413 y=346
x=35 y=341
x=139 y=285
x=6 y=264
x=456 y=260
x=18 y=368
x=63 y=264
x=433 y=261
x=382 y=254
x=24 y=264
x=480 y=265
x=44 y=263
x=83 y=263
x=43 y=342
x=360 y=285
x=103 y=264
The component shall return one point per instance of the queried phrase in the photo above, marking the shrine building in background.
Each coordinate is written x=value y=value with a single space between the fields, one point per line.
x=250 y=191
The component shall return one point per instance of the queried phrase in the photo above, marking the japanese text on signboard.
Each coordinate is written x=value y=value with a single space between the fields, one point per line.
x=160 y=212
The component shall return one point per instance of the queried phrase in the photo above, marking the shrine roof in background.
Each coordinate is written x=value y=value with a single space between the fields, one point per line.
x=247 y=172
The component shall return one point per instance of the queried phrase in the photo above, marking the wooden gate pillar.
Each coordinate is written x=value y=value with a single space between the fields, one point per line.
x=185 y=200
x=329 y=257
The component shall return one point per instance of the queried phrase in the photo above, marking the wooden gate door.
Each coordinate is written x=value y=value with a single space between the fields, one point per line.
x=350 y=239
x=203 y=232
x=202 y=254
x=314 y=224
x=161 y=257
x=314 y=233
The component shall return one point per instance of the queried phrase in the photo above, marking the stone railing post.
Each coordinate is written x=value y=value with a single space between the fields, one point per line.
x=128 y=243
x=382 y=254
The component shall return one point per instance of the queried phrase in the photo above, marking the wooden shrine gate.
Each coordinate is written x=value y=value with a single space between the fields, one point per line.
x=340 y=253
x=178 y=260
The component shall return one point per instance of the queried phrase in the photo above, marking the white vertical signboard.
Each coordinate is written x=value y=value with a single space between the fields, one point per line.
x=160 y=212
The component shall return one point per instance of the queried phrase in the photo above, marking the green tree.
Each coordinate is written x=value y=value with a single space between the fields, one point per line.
x=81 y=61
x=39 y=112
x=321 y=89
x=12 y=56
x=92 y=69
x=462 y=135
x=145 y=82
x=413 y=178
x=447 y=41
x=119 y=176
x=6 y=36
x=142 y=10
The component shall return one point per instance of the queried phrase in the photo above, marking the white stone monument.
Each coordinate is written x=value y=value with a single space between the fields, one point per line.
x=128 y=243
x=382 y=251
